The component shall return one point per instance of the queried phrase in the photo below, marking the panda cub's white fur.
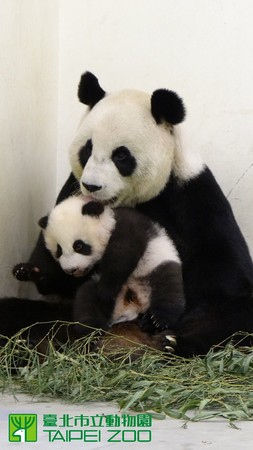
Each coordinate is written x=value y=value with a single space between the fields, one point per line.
x=67 y=224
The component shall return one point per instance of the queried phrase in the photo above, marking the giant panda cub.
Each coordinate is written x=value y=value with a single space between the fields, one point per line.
x=85 y=236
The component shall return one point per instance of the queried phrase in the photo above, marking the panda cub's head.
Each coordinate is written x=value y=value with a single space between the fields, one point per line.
x=76 y=233
x=124 y=147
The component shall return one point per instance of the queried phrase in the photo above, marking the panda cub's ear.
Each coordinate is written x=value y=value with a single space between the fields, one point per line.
x=93 y=209
x=89 y=90
x=167 y=105
x=43 y=222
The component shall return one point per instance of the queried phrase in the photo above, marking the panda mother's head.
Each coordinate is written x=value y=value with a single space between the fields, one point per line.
x=124 y=147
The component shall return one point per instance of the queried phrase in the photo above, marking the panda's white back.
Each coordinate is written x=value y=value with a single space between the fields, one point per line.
x=160 y=249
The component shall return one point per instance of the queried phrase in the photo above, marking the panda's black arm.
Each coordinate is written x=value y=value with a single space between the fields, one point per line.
x=49 y=278
x=88 y=310
x=126 y=246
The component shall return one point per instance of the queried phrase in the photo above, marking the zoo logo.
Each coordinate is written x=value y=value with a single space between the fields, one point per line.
x=22 y=427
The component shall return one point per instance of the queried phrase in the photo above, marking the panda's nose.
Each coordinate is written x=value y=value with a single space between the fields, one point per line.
x=91 y=187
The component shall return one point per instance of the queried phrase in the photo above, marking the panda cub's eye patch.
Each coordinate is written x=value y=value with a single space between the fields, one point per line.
x=81 y=247
x=58 y=251
x=85 y=153
x=124 y=161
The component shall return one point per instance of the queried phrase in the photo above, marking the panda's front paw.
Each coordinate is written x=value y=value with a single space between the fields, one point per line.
x=146 y=323
x=25 y=272
x=166 y=341
x=152 y=322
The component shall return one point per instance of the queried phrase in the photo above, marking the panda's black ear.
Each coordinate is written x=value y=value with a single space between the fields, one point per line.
x=43 y=222
x=93 y=209
x=89 y=90
x=167 y=105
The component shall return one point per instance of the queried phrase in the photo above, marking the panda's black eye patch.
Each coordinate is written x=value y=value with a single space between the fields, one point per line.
x=58 y=251
x=124 y=161
x=81 y=247
x=85 y=152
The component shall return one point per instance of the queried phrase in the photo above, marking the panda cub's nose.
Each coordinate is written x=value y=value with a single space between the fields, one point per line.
x=91 y=187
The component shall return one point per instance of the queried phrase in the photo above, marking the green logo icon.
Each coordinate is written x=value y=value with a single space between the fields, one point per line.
x=22 y=427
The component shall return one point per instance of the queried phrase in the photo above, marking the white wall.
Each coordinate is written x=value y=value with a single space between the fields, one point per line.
x=200 y=48
x=28 y=138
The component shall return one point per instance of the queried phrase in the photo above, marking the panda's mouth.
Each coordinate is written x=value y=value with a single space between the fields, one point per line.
x=110 y=201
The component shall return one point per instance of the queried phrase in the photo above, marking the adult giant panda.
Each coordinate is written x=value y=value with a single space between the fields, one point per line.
x=126 y=152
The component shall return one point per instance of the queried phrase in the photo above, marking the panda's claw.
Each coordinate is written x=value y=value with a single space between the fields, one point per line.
x=171 y=338
x=172 y=342
x=166 y=342
x=169 y=349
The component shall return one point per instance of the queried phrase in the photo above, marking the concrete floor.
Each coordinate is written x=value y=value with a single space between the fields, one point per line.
x=166 y=434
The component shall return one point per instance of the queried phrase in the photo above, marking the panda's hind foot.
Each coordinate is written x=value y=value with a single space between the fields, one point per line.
x=25 y=272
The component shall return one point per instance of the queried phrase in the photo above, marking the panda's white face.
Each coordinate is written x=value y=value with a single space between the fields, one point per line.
x=76 y=240
x=120 y=154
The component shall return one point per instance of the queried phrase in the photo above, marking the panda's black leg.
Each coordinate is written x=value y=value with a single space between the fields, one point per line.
x=89 y=310
x=210 y=325
x=158 y=319
x=146 y=322
x=167 y=298
x=18 y=313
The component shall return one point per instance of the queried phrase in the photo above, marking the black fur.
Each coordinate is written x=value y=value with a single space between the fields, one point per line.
x=43 y=222
x=217 y=268
x=167 y=295
x=89 y=310
x=18 y=313
x=124 y=161
x=85 y=153
x=89 y=90
x=167 y=105
x=93 y=209
x=125 y=248
x=58 y=251
x=95 y=301
x=81 y=247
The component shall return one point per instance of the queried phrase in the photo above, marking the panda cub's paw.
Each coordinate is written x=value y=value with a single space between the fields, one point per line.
x=25 y=272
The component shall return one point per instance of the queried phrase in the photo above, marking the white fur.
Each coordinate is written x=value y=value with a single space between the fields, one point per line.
x=124 y=118
x=186 y=164
x=159 y=250
x=66 y=224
